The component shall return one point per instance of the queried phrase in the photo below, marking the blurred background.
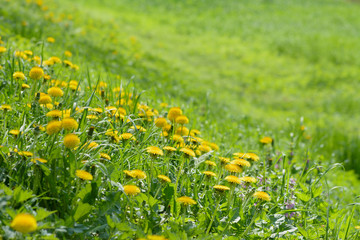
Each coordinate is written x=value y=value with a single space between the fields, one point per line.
x=268 y=61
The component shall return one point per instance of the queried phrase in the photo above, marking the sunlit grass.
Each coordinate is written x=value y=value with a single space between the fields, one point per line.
x=86 y=153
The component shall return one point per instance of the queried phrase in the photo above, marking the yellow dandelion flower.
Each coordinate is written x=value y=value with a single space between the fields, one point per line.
x=53 y=127
x=75 y=67
x=194 y=132
x=111 y=132
x=233 y=168
x=266 y=140
x=25 y=86
x=177 y=138
x=55 y=60
x=67 y=63
x=188 y=152
x=241 y=162
x=248 y=179
x=105 y=156
x=36 y=73
x=128 y=173
x=55 y=92
x=154 y=151
x=240 y=155
x=19 y=76
x=233 y=179
x=214 y=146
x=50 y=39
x=221 y=188
x=121 y=111
x=262 y=196
x=67 y=53
x=71 y=141
x=185 y=200
x=2 y=49
x=357 y=227
x=48 y=62
x=163 y=105
x=20 y=54
x=224 y=160
x=54 y=114
x=209 y=173
x=48 y=106
x=14 y=132
x=35 y=160
x=84 y=175
x=169 y=149
x=173 y=113
x=204 y=148
x=24 y=223
x=138 y=174
x=96 y=110
x=138 y=128
x=160 y=122
x=149 y=114
x=182 y=131
x=252 y=156
x=127 y=136
x=210 y=163
x=182 y=119
x=66 y=113
x=26 y=154
x=6 y=107
x=28 y=52
x=164 y=178
x=37 y=59
x=155 y=237
x=92 y=145
x=45 y=99
x=91 y=117
x=167 y=127
x=131 y=190
x=198 y=152
x=69 y=124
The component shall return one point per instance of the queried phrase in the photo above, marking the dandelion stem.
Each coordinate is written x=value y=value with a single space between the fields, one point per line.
x=213 y=216
x=157 y=192
x=131 y=211
x=177 y=180
x=183 y=216
x=250 y=224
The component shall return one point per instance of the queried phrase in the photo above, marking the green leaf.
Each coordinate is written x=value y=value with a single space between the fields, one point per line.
x=21 y=195
x=42 y=213
x=303 y=197
x=7 y=190
x=82 y=210
x=303 y=187
x=84 y=191
x=123 y=227
x=110 y=222
x=316 y=191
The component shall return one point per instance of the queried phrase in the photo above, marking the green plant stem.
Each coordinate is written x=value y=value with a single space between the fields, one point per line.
x=214 y=214
x=250 y=224
x=177 y=181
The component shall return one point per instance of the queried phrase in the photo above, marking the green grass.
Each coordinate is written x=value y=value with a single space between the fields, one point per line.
x=267 y=60
x=239 y=71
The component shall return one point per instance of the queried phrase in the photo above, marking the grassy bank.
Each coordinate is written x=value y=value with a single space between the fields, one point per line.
x=237 y=78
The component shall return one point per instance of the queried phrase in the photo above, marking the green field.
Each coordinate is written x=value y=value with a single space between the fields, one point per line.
x=239 y=70
x=265 y=60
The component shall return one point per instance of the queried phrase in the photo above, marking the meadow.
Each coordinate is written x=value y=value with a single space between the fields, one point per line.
x=179 y=119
